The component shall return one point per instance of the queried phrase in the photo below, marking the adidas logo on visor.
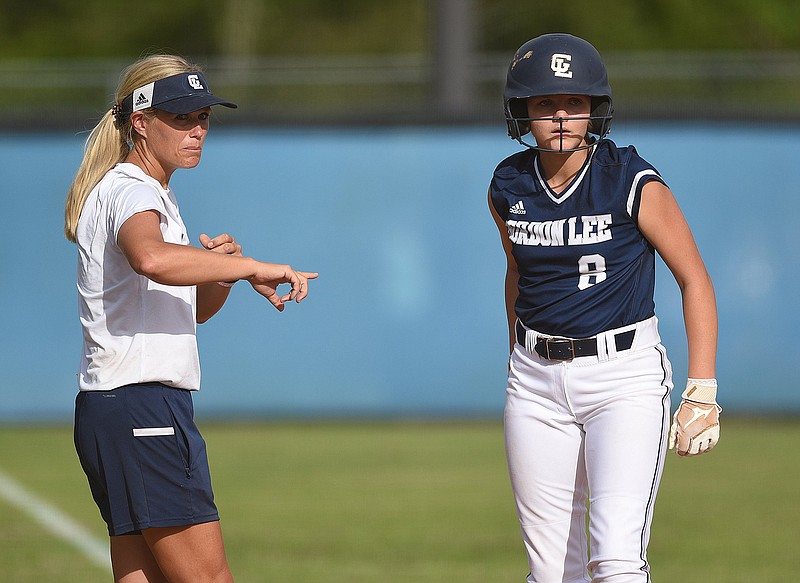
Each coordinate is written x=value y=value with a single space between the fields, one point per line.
x=143 y=97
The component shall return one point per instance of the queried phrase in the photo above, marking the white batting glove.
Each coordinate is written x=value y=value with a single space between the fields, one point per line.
x=695 y=425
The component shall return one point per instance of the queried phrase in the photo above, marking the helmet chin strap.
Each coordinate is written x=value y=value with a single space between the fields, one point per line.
x=590 y=142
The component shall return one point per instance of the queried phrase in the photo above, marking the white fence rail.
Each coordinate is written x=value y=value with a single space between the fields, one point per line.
x=403 y=88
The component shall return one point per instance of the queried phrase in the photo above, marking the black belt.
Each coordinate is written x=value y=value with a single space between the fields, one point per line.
x=569 y=348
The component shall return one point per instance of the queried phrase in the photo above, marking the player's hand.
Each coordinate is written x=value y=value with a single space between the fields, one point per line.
x=695 y=425
x=271 y=275
x=221 y=244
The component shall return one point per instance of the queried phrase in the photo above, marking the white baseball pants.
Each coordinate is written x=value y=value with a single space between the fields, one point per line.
x=594 y=427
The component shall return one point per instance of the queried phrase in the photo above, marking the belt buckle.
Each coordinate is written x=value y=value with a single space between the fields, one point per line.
x=570 y=348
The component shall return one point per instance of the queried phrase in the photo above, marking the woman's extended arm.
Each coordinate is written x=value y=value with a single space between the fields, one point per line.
x=170 y=264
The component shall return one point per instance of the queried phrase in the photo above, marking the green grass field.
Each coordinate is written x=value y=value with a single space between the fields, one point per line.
x=422 y=502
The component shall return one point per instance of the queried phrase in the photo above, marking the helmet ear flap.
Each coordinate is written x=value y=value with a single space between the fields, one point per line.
x=602 y=111
x=517 y=112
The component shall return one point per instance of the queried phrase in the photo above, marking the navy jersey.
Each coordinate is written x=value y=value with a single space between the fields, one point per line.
x=584 y=266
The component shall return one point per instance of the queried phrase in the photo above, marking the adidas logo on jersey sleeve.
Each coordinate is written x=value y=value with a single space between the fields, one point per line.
x=517 y=209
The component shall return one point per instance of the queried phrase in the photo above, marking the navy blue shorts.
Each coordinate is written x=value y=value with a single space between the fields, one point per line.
x=144 y=457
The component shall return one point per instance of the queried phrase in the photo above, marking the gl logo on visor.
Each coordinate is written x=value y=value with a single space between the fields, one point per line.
x=194 y=81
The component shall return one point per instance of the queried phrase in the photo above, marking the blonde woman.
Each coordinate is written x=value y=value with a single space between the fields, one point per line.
x=142 y=288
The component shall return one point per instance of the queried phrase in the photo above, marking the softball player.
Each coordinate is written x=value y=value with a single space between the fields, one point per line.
x=587 y=405
x=142 y=288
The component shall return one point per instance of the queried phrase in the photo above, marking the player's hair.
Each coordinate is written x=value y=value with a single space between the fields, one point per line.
x=111 y=139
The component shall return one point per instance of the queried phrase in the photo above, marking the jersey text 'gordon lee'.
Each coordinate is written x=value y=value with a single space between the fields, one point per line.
x=585 y=230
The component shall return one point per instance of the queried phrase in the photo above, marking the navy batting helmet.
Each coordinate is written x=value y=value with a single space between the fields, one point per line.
x=556 y=64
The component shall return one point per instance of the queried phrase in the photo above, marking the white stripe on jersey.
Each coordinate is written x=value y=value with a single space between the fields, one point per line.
x=632 y=194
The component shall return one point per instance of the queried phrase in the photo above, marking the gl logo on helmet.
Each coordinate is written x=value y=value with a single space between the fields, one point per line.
x=560 y=63
x=194 y=81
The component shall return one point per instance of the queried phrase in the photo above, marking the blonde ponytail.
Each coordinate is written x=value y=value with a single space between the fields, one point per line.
x=105 y=147
x=110 y=141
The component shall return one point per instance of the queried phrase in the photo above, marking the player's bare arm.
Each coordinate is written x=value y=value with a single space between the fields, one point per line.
x=663 y=223
x=695 y=426
x=512 y=275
